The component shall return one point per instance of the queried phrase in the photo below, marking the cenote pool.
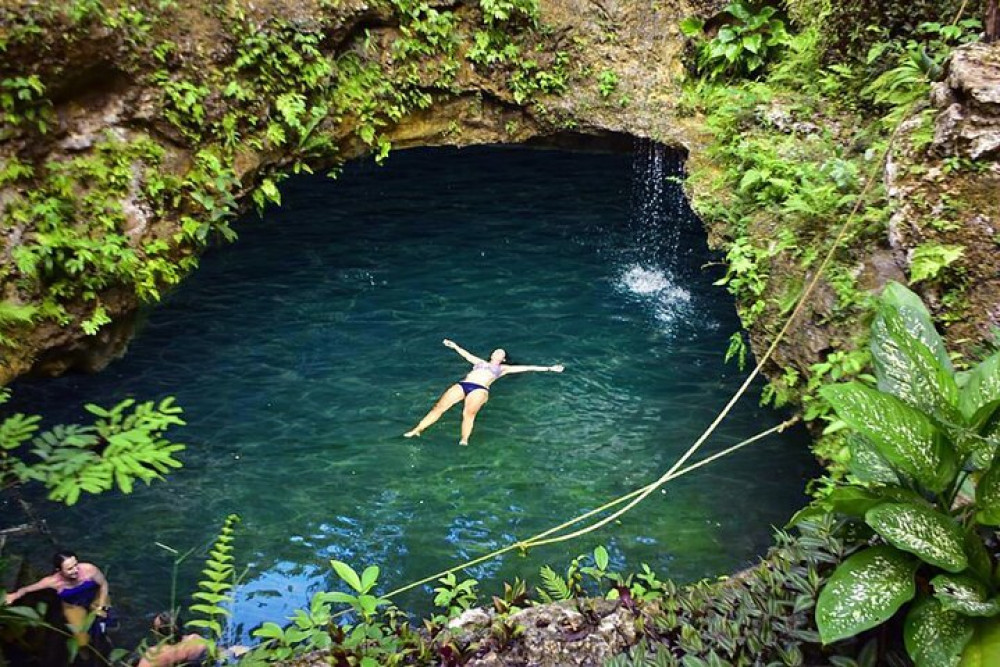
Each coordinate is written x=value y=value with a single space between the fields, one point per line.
x=301 y=354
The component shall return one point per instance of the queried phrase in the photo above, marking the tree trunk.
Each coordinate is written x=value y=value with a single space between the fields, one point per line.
x=992 y=21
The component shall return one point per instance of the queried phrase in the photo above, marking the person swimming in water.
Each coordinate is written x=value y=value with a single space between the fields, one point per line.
x=82 y=589
x=173 y=648
x=474 y=389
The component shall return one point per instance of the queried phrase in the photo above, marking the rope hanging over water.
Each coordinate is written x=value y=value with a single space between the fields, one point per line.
x=676 y=470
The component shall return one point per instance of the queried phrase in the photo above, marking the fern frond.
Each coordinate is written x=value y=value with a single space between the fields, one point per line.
x=210 y=612
x=554 y=586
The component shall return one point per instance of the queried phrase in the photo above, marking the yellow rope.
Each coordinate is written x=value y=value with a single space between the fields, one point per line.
x=675 y=470
x=644 y=492
x=617 y=501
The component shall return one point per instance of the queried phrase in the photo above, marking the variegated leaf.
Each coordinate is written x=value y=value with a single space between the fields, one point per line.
x=916 y=319
x=988 y=496
x=935 y=636
x=982 y=386
x=903 y=435
x=865 y=591
x=867 y=465
x=908 y=369
x=935 y=537
x=964 y=594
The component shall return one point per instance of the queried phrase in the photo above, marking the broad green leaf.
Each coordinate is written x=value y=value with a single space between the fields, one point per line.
x=916 y=318
x=983 y=650
x=984 y=420
x=339 y=597
x=692 y=26
x=904 y=353
x=369 y=603
x=935 y=636
x=982 y=386
x=865 y=591
x=369 y=577
x=810 y=512
x=988 y=496
x=980 y=564
x=935 y=537
x=964 y=594
x=867 y=465
x=601 y=558
x=903 y=435
x=345 y=572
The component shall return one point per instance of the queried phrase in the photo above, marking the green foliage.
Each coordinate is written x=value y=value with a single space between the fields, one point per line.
x=865 y=591
x=743 y=46
x=919 y=439
x=455 y=596
x=930 y=259
x=121 y=446
x=607 y=82
x=214 y=591
x=497 y=12
x=13 y=316
x=762 y=617
x=23 y=102
x=374 y=640
x=919 y=63
x=849 y=28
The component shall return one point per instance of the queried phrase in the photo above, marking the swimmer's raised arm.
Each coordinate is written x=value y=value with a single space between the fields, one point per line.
x=468 y=356
x=507 y=370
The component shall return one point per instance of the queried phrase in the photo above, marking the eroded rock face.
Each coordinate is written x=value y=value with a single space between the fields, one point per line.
x=582 y=633
x=969 y=123
x=641 y=45
x=949 y=195
x=95 y=97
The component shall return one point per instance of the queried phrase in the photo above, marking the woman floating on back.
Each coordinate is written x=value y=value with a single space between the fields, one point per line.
x=474 y=389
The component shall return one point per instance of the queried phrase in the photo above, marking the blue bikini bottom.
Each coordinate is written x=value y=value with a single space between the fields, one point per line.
x=469 y=387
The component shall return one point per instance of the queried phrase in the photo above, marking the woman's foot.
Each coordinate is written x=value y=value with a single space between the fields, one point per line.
x=463 y=442
x=412 y=434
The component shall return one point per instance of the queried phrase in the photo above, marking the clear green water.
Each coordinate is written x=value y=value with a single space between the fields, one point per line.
x=303 y=352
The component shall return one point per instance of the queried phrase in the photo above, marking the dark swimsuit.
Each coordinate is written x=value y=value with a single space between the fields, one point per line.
x=81 y=595
x=469 y=387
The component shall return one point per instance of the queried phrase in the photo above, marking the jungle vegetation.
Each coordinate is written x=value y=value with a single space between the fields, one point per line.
x=912 y=499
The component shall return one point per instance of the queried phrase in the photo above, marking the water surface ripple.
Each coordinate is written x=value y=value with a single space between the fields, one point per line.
x=303 y=352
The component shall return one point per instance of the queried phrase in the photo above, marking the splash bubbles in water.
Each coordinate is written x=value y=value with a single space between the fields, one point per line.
x=655 y=287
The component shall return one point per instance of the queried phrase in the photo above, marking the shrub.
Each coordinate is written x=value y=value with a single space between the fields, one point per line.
x=924 y=436
x=851 y=27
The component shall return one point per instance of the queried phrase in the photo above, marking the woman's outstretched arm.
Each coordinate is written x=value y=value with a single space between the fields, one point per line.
x=468 y=356
x=46 y=582
x=507 y=370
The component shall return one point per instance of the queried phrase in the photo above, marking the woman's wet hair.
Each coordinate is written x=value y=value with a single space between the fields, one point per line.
x=60 y=557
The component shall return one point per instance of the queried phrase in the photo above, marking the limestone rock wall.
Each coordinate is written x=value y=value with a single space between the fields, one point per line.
x=102 y=85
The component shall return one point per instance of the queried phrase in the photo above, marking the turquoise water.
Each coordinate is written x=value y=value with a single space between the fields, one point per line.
x=302 y=353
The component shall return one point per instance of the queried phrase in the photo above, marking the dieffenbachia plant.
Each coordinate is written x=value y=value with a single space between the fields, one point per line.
x=926 y=481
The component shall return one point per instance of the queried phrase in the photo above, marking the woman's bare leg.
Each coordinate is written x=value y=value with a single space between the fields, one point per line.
x=452 y=395
x=77 y=618
x=473 y=402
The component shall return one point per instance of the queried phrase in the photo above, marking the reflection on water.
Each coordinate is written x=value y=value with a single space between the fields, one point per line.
x=302 y=354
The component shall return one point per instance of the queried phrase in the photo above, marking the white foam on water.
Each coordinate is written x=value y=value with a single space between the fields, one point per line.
x=655 y=287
